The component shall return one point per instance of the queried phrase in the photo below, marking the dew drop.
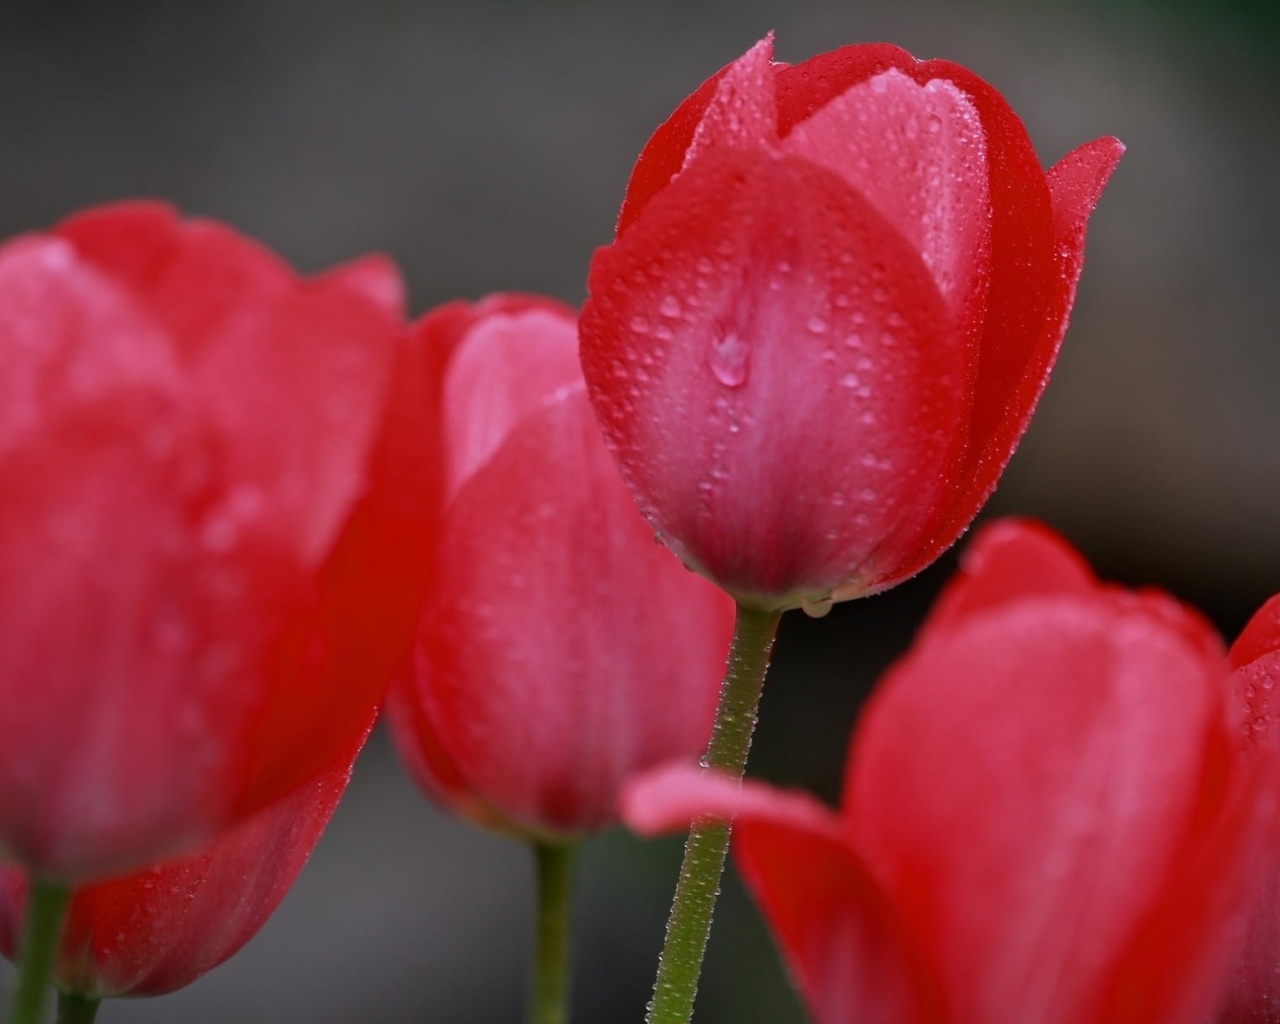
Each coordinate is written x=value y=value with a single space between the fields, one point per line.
x=850 y=380
x=816 y=607
x=670 y=307
x=640 y=324
x=817 y=325
x=727 y=358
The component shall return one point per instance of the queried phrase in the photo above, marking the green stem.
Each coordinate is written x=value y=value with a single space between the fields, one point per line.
x=549 y=992
x=47 y=904
x=704 y=854
x=77 y=1009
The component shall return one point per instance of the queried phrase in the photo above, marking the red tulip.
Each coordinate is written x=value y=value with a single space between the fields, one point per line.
x=834 y=298
x=561 y=649
x=161 y=928
x=1253 y=997
x=1044 y=819
x=212 y=492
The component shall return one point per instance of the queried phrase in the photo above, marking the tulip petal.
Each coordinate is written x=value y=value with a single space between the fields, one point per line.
x=742 y=112
x=670 y=797
x=1023 y=321
x=664 y=155
x=840 y=937
x=1006 y=561
x=158 y=930
x=546 y=527
x=507 y=366
x=293 y=376
x=1072 y=838
x=375 y=277
x=805 y=88
x=776 y=373
x=917 y=153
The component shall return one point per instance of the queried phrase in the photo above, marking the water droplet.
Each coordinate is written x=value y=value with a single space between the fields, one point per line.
x=640 y=324
x=727 y=358
x=670 y=307
x=849 y=380
x=817 y=325
x=725 y=247
x=853 y=341
x=816 y=607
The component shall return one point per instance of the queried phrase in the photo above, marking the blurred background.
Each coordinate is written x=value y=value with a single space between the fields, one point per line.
x=485 y=147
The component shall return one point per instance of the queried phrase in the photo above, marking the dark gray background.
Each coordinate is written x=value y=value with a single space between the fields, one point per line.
x=485 y=146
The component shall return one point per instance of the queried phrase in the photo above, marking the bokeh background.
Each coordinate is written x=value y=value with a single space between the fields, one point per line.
x=484 y=145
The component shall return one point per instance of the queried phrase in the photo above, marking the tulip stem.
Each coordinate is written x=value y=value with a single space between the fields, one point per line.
x=704 y=854
x=77 y=1009
x=549 y=992
x=47 y=904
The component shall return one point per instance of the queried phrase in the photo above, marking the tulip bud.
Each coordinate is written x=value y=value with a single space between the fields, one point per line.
x=561 y=649
x=834 y=297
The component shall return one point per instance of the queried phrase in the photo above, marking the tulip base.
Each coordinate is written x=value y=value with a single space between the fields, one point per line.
x=549 y=991
x=77 y=1009
x=689 y=925
x=47 y=905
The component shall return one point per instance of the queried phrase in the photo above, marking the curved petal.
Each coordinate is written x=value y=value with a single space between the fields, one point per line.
x=1090 y=734
x=161 y=928
x=507 y=366
x=1037 y=255
x=292 y=375
x=776 y=373
x=524 y=715
x=672 y=796
x=665 y=154
x=838 y=933
x=807 y=87
x=917 y=152
x=1006 y=561
x=370 y=592
x=742 y=112
x=843 y=940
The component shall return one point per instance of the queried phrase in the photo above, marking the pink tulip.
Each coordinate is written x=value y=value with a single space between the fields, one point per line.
x=213 y=495
x=835 y=295
x=1045 y=817
x=561 y=649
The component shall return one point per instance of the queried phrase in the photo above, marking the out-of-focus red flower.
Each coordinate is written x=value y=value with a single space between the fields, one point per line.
x=1045 y=814
x=561 y=649
x=1253 y=996
x=214 y=499
x=161 y=928
x=834 y=297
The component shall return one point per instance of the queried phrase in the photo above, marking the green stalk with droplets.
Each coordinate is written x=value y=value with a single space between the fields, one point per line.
x=704 y=854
